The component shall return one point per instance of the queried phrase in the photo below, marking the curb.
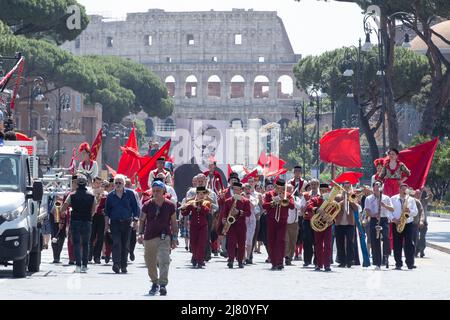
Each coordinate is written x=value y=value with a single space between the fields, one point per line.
x=439 y=215
x=438 y=247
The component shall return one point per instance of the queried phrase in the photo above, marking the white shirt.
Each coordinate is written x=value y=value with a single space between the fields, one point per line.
x=293 y=213
x=398 y=208
x=371 y=203
x=172 y=193
x=93 y=171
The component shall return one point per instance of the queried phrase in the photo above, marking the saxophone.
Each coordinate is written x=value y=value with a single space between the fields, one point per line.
x=331 y=208
x=403 y=217
x=231 y=216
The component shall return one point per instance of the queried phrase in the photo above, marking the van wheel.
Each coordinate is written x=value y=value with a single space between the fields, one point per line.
x=35 y=257
x=20 y=268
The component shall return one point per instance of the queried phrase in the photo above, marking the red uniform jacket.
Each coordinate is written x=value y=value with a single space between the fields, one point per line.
x=284 y=212
x=292 y=182
x=313 y=202
x=199 y=214
x=217 y=184
x=242 y=205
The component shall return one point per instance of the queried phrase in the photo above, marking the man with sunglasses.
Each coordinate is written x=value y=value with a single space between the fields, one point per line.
x=121 y=210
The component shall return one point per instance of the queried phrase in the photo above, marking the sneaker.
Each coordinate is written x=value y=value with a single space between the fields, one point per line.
x=162 y=291
x=116 y=268
x=154 y=289
x=132 y=257
x=84 y=269
x=77 y=269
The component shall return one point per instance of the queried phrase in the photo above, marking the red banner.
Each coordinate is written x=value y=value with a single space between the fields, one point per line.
x=341 y=147
x=144 y=172
x=96 y=145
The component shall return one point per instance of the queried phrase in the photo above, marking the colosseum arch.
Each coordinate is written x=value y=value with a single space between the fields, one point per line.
x=237 y=87
x=191 y=87
x=261 y=87
x=285 y=87
x=214 y=86
x=170 y=84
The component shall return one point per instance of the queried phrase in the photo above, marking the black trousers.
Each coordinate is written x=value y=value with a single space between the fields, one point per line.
x=255 y=237
x=376 y=243
x=97 y=236
x=300 y=231
x=132 y=240
x=120 y=233
x=60 y=235
x=403 y=241
x=345 y=243
x=308 y=240
x=421 y=243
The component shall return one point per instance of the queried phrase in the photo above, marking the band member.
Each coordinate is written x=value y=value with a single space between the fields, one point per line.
x=58 y=225
x=418 y=222
x=292 y=228
x=322 y=243
x=403 y=204
x=379 y=212
x=214 y=178
x=237 y=207
x=250 y=221
x=277 y=204
x=393 y=173
x=98 y=222
x=308 y=232
x=345 y=227
x=160 y=162
x=258 y=212
x=87 y=166
x=425 y=197
x=198 y=208
x=301 y=212
x=297 y=182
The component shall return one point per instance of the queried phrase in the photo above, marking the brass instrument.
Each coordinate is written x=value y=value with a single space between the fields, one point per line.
x=378 y=227
x=331 y=209
x=404 y=216
x=231 y=216
x=57 y=220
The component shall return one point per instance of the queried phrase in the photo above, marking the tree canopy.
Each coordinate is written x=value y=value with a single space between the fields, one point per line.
x=120 y=85
x=43 y=18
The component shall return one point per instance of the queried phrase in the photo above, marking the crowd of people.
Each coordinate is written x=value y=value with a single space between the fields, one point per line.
x=101 y=218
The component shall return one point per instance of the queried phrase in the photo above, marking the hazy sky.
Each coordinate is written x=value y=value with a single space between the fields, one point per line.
x=313 y=26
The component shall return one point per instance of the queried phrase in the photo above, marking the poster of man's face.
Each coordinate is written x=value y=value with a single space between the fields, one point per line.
x=207 y=139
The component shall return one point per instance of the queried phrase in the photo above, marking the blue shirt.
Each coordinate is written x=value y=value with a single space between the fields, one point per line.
x=121 y=208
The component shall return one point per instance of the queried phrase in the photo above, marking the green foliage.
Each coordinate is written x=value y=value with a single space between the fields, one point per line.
x=140 y=132
x=42 y=18
x=121 y=86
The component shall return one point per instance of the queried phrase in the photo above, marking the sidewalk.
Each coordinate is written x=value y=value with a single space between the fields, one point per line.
x=438 y=235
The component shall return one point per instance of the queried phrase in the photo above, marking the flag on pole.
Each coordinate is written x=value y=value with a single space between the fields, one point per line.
x=96 y=145
x=341 y=147
x=144 y=172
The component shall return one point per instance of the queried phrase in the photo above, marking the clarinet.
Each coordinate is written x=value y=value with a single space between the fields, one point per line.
x=378 y=227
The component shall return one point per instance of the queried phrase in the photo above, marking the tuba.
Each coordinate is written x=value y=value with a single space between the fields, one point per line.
x=331 y=209
x=404 y=216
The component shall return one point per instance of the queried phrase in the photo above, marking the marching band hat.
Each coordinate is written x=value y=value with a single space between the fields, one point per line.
x=268 y=182
x=161 y=159
x=237 y=184
x=74 y=177
x=201 y=189
x=233 y=175
x=281 y=182
x=84 y=147
x=297 y=167
x=324 y=186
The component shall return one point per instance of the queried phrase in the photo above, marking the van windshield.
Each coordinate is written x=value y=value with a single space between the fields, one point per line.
x=9 y=173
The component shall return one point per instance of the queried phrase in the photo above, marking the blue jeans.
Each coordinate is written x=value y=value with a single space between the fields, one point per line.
x=81 y=232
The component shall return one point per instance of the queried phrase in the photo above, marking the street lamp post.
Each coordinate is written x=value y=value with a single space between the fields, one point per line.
x=297 y=108
x=35 y=94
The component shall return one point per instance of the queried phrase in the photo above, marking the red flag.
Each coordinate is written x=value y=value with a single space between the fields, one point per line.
x=275 y=163
x=96 y=145
x=341 y=147
x=418 y=159
x=351 y=176
x=276 y=173
x=144 y=172
x=111 y=170
x=24 y=137
x=131 y=162
x=229 y=171
x=132 y=139
x=263 y=160
x=253 y=174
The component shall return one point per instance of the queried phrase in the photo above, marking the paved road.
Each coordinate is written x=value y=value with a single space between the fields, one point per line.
x=429 y=281
x=438 y=233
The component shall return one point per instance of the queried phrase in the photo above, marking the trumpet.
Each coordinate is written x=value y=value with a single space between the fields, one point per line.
x=57 y=212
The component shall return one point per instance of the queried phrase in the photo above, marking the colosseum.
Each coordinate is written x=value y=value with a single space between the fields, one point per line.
x=217 y=65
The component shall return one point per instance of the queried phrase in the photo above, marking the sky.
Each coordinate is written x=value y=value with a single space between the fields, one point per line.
x=313 y=26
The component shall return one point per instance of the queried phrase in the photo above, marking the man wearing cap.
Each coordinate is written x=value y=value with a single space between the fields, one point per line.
x=160 y=162
x=121 y=210
x=238 y=207
x=277 y=215
x=83 y=208
x=198 y=208
x=402 y=202
x=297 y=182
x=158 y=230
